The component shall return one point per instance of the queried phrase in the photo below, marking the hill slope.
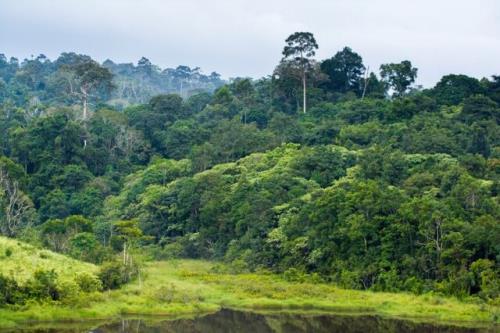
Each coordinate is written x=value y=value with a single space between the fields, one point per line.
x=25 y=259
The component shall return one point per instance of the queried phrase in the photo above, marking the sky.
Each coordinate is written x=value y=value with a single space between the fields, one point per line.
x=246 y=37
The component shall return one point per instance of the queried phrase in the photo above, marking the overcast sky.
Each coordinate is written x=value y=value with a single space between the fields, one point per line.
x=245 y=37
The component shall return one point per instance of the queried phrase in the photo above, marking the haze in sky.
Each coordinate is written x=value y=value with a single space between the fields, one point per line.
x=245 y=37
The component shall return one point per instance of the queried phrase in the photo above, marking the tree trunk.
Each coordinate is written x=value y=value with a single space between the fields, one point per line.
x=85 y=112
x=304 y=91
x=367 y=79
x=124 y=253
x=85 y=105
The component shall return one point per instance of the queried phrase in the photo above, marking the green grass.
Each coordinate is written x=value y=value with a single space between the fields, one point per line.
x=25 y=259
x=185 y=287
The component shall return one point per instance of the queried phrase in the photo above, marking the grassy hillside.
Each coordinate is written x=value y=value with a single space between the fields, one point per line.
x=21 y=260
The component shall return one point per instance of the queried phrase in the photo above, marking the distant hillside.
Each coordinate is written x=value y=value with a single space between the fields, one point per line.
x=39 y=80
x=137 y=84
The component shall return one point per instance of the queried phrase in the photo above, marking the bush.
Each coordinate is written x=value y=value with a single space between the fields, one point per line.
x=10 y=291
x=486 y=278
x=8 y=252
x=44 y=286
x=115 y=274
x=68 y=292
x=294 y=275
x=88 y=282
x=238 y=266
x=166 y=293
x=44 y=255
x=349 y=279
x=84 y=246
x=387 y=281
x=414 y=285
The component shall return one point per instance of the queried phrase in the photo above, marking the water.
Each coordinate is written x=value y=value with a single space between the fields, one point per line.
x=229 y=321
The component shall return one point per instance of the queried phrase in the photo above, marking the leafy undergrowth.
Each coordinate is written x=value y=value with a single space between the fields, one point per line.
x=180 y=287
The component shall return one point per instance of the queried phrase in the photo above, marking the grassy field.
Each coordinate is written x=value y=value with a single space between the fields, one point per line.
x=183 y=287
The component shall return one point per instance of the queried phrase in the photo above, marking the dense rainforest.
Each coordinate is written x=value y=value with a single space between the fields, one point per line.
x=320 y=169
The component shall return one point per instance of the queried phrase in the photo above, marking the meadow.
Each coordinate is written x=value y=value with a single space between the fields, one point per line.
x=187 y=287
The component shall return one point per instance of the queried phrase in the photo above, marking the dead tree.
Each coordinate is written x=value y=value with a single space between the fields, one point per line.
x=17 y=207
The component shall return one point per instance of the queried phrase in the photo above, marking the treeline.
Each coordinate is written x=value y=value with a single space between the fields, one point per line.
x=377 y=184
x=38 y=81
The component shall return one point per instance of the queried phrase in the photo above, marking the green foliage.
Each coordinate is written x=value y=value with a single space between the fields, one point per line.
x=399 y=76
x=44 y=286
x=10 y=291
x=480 y=107
x=114 y=274
x=85 y=246
x=59 y=234
x=453 y=89
x=365 y=191
x=31 y=276
x=300 y=46
x=345 y=71
x=88 y=282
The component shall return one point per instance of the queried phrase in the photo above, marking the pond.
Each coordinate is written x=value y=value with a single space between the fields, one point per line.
x=229 y=321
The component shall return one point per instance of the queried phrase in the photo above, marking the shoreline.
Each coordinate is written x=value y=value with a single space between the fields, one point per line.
x=94 y=322
x=190 y=288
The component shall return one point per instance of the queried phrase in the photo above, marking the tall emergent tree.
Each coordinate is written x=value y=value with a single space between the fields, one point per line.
x=92 y=78
x=85 y=80
x=299 y=50
x=398 y=76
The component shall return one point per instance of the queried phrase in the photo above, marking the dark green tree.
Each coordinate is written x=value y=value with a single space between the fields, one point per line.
x=479 y=143
x=345 y=71
x=453 y=89
x=478 y=108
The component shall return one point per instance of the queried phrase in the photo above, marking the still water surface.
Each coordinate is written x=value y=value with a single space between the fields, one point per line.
x=228 y=321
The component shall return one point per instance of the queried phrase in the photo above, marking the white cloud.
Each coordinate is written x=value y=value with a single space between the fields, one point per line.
x=243 y=37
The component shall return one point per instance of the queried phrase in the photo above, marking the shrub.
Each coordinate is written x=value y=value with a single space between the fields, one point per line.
x=8 y=252
x=349 y=279
x=294 y=275
x=387 y=281
x=88 y=282
x=486 y=278
x=10 y=291
x=44 y=255
x=44 y=286
x=111 y=275
x=84 y=246
x=68 y=292
x=115 y=274
x=238 y=266
x=414 y=285
x=166 y=293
